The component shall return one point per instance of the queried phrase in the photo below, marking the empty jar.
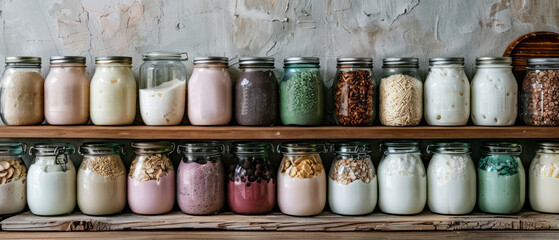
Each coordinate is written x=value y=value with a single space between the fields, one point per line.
x=14 y=175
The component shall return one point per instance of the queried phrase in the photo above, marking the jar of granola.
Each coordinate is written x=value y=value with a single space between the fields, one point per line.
x=301 y=179
x=354 y=92
x=12 y=178
x=101 y=179
x=352 y=183
x=151 y=181
x=539 y=96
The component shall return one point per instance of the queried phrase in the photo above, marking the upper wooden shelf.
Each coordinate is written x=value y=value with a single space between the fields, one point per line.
x=280 y=132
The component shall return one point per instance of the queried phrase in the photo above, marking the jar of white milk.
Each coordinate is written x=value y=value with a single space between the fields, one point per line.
x=494 y=92
x=447 y=93
x=113 y=92
x=12 y=178
x=544 y=178
x=451 y=178
x=51 y=180
x=401 y=178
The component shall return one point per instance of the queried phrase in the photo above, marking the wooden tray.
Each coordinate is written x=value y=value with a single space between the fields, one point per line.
x=531 y=45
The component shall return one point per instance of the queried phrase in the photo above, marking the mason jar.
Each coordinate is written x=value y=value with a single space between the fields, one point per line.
x=544 y=178
x=301 y=92
x=252 y=186
x=494 y=92
x=51 y=180
x=539 y=96
x=67 y=91
x=201 y=178
x=447 y=93
x=501 y=178
x=301 y=179
x=401 y=179
x=151 y=180
x=451 y=179
x=101 y=179
x=400 y=92
x=210 y=92
x=256 y=92
x=163 y=88
x=354 y=92
x=113 y=91
x=22 y=91
x=14 y=175
x=352 y=182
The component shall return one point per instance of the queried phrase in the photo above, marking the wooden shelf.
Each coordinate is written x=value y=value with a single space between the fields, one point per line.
x=280 y=132
x=278 y=222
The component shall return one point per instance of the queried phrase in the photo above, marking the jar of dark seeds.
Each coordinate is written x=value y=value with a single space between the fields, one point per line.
x=354 y=92
x=539 y=96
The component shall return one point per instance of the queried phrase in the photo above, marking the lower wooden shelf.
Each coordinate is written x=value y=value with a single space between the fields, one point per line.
x=279 y=222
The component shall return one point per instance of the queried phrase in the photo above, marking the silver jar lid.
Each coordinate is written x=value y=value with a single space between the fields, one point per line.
x=211 y=60
x=403 y=62
x=446 y=61
x=114 y=59
x=164 y=55
x=67 y=59
x=493 y=60
x=543 y=61
x=23 y=60
x=301 y=60
x=256 y=62
x=361 y=62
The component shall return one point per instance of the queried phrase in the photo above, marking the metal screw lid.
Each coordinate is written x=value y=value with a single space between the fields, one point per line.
x=256 y=62
x=23 y=60
x=210 y=60
x=113 y=59
x=493 y=60
x=362 y=62
x=67 y=59
x=401 y=62
x=446 y=61
x=164 y=55
x=542 y=61
x=301 y=60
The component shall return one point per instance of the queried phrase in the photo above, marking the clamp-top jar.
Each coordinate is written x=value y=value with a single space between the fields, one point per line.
x=13 y=180
x=22 y=91
x=539 y=97
x=354 y=92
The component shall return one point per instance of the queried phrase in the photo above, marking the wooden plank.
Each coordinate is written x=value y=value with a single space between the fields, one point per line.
x=280 y=132
x=279 y=222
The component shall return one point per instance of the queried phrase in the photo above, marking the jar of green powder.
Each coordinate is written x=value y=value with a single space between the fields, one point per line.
x=301 y=92
x=501 y=178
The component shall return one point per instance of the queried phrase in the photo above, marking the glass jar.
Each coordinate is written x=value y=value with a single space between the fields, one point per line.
x=256 y=92
x=210 y=92
x=301 y=179
x=544 y=178
x=163 y=88
x=14 y=175
x=201 y=178
x=252 y=185
x=447 y=93
x=352 y=182
x=400 y=92
x=22 y=91
x=451 y=179
x=539 y=96
x=401 y=179
x=51 y=180
x=113 y=92
x=494 y=92
x=151 y=181
x=67 y=91
x=501 y=178
x=301 y=92
x=354 y=92
x=101 y=179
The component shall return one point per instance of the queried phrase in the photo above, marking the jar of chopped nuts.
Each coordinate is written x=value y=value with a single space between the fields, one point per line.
x=12 y=178
x=539 y=96
x=352 y=182
x=354 y=92
x=151 y=181
x=301 y=179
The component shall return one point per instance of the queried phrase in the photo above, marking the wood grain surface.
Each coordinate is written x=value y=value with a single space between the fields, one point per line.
x=531 y=45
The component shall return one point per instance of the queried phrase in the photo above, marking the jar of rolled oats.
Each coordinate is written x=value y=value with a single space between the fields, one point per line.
x=301 y=179
x=352 y=182
x=101 y=179
x=151 y=181
x=12 y=178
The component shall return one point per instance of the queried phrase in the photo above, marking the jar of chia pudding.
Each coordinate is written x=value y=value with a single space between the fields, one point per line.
x=301 y=179
x=544 y=178
x=354 y=92
x=252 y=185
x=12 y=177
x=256 y=102
x=51 y=180
x=151 y=181
x=101 y=179
x=501 y=178
x=301 y=92
x=201 y=178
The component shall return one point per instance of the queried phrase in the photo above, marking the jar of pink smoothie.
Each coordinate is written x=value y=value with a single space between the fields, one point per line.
x=201 y=178
x=210 y=92
x=67 y=91
x=151 y=181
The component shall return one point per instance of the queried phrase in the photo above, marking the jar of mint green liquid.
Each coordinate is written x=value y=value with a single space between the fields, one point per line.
x=501 y=178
